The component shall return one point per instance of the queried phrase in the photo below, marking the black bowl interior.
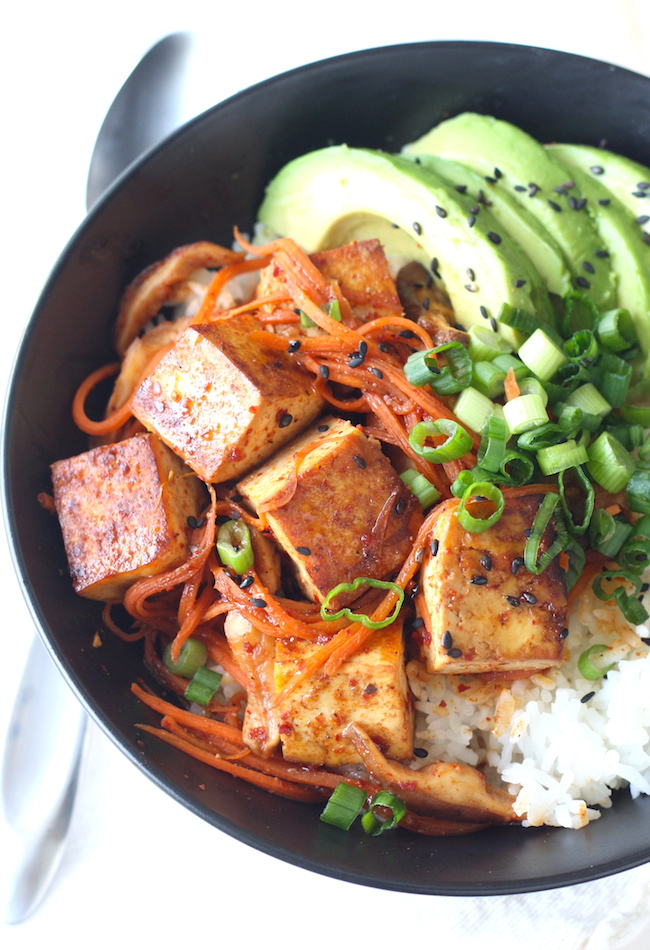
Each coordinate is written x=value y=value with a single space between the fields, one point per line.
x=197 y=185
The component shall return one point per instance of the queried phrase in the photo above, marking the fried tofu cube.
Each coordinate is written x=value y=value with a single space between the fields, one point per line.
x=483 y=611
x=370 y=689
x=222 y=401
x=123 y=510
x=337 y=507
x=362 y=272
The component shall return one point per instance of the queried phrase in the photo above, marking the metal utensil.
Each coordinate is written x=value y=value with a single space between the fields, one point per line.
x=45 y=739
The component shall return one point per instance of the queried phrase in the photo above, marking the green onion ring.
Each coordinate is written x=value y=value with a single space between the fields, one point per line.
x=586 y=668
x=544 y=514
x=375 y=826
x=362 y=618
x=491 y=493
x=457 y=443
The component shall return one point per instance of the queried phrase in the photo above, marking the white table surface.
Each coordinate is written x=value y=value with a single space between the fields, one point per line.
x=124 y=877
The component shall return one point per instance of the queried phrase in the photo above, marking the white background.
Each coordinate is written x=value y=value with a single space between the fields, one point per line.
x=125 y=877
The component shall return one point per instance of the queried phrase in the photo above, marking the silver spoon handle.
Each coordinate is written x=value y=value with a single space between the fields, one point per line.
x=40 y=771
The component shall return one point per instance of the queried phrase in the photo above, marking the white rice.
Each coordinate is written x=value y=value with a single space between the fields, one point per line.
x=559 y=749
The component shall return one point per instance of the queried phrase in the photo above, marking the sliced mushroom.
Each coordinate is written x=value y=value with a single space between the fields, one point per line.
x=442 y=789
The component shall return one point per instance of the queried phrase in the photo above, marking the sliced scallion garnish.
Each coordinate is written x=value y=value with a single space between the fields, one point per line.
x=193 y=654
x=609 y=463
x=457 y=443
x=541 y=355
x=235 y=547
x=359 y=617
x=587 y=669
x=557 y=458
x=424 y=491
x=483 y=491
x=532 y=561
x=373 y=825
x=343 y=806
x=525 y=412
x=202 y=687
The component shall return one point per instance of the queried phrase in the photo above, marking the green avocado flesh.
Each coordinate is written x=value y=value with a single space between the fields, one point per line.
x=621 y=231
x=336 y=195
x=514 y=161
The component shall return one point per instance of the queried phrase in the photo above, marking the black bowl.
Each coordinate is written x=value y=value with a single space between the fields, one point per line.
x=198 y=184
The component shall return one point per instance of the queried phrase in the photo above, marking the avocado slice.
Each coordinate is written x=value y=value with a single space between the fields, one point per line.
x=522 y=226
x=338 y=194
x=513 y=160
x=629 y=252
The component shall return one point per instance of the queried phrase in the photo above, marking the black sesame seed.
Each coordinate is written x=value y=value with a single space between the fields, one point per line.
x=597 y=169
x=417 y=623
x=479 y=580
x=646 y=640
x=643 y=185
x=498 y=173
x=486 y=562
x=420 y=753
x=645 y=587
x=517 y=563
x=370 y=689
x=512 y=601
x=520 y=188
x=471 y=273
x=528 y=597
x=434 y=546
x=475 y=209
x=454 y=653
x=435 y=264
x=645 y=237
x=554 y=205
x=461 y=189
x=363 y=348
x=324 y=371
x=528 y=532
x=286 y=420
x=360 y=461
x=588 y=266
x=560 y=190
x=471 y=221
x=459 y=326
x=480 y=196
x=483 y=312
x=441 y=212
x=533 y=189
x=580 y=204
x=400 y=506
x=643 y=219
x=407 y=334
x=472 y=288
x=193 y=522
x=602 y=253
x=426 y=303
x=640 y=194
x=604 y=201
x=293 y=346
x=417 y=227
x=519 y=283
x=447 y=640
x=588 y=696
x=493 y=324
x=356 y=359
x=583 y=282
x=323 y=428
x=303 y=550
x=376 y=372
x=494 y=237
x=490 y=180
x=564 y=633
x=247 y=582
x=384 y=347
x=258 y=602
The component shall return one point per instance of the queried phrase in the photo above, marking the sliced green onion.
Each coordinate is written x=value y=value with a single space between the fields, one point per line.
x=376 y=826
x=530 y=386
x=473 y=409
x=613 y=376
x=608 y=533
x=509 y=361
x=610 y=464
x=476 y=490
x=642 y=527
x=616 y=330
x=577 y=558
x=588 y=399
x=488 y=379
x=457 y=374
x=519 y=319
x=557 y=458
x=517 y=468
x=362 y=618
x=545 y=513
x=582 y=347
x=235 y=547
x=457 y=443
x=588 y=499
x=202 y=686
x=424 y=491
x=417 y=368
x=525 y=412
x=630 y=435
x=492 y=448
x=484 y=344
x=193 y=654
x=635 y=555
x=306 y=321
x=586 y=668
x=637 y=408
x=638 y=492
x=333 y=309
x=541 y=355
x=343 y=806
x=631 y=608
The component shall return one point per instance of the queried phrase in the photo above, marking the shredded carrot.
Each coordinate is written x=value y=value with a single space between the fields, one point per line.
x=511 y=386
x=613 y=509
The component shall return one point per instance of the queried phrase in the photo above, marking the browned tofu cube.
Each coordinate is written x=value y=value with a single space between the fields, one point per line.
x=370 y=689
x=123 y=510
x=222 y=401
x=337 y=507
x=362 y=271
x=483 y=611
